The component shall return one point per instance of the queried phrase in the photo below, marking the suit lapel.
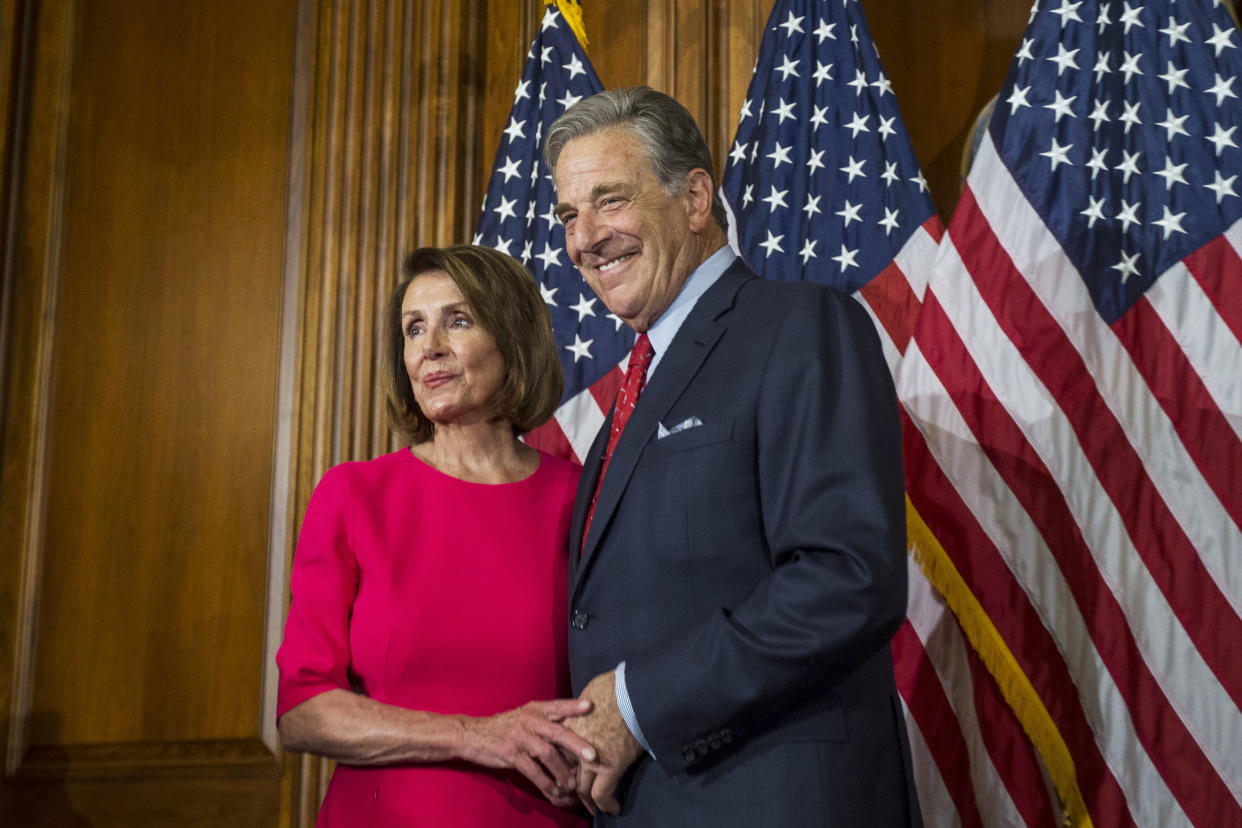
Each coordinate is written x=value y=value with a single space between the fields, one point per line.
x=694 y=341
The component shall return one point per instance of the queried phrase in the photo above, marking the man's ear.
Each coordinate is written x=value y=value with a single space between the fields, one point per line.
x=699 y=196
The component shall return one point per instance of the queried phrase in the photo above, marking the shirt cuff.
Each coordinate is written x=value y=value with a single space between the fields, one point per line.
x=627 y=709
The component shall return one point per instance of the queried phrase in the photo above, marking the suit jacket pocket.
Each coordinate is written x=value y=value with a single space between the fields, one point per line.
x=706 y=434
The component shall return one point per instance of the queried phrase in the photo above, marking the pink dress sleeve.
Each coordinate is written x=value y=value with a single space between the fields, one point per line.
x=314 y=656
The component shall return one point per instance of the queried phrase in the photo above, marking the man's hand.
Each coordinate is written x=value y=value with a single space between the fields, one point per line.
x=615 y=747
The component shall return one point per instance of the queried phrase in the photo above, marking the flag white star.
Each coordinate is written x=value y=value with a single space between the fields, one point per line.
x=890 y=173
x=788 y=67
x=521 y=91
x=784 y=110
x=1221 y=39
x=1099 y=114
x=1222 y=187
x=824 y=31
x=1173 y=126
x=850 y=212
x=1223 y=89
x=549 y=19
x=820 y=116
x=846 y=259
x=574 y=67
x=854 y=169
x=772 y=243
x=745 y=110
x=1024 y=51
x=1102 y=20
x=1064 y=59
x=584 y=308
x=1175 y=32
x=1222 y=138
x=515 y=129
x=1067 y=12
x=567 y=100
x=502 y=245
x=550 y=256
x=548 y=294
x=889 y=222
x=1128 y=165
x=1096 y=163
x=921 y=181
x=1101 y=66
x=858 y=124
x=1094 y=211
x=581 y=348
x=779 y=155
x=886 y=126
x=1017 y=98
x=859 y=82
x=1172 y=173
x=1175 y=78
x=505 y=208
x=1130 y=117
x=510 y=169
x=776 y=198
x=792 y=24
x=808 y=251
x=1128 y=215
x=1170 y=222
x=816 y=161
x=883 y=84
x=1129 y=66
x=545 y=57
x=616 y=321
x=823 y=72
x=738 y=155
x=1126 y=266
x=1130 y=17
x=1061 y=106
x=1058 y=154
x=550 y=217
x=812 y=205
x=527 y=250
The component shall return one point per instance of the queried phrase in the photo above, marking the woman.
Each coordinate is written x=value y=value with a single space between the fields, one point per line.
x=429 y=584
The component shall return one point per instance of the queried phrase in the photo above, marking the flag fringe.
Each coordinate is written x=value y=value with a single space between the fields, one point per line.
x=571 y=10
x=996 y=656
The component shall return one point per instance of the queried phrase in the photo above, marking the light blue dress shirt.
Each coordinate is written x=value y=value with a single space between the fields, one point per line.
x=661 y=335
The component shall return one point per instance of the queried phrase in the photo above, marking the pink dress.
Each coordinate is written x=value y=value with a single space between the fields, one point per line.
x=431 y=593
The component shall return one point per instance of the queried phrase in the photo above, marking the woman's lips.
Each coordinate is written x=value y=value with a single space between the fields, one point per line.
x=437 y=378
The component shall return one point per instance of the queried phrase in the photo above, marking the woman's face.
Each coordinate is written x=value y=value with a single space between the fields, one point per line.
x=454 y=366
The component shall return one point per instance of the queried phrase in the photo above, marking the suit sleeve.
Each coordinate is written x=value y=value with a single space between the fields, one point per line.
x=832 y=504
x=314 y=655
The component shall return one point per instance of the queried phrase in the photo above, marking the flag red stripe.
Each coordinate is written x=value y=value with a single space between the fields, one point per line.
x=604 y=389
x=550 y=438
x=1012 y=753
x=1217 y=269
x=1205 y=432
x=1007 y=605
x=894 y=303
x=1175 y=566
x=924 y=695
x=1173 y=751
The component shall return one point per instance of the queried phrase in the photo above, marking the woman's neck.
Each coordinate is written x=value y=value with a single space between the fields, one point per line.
x=478 y=453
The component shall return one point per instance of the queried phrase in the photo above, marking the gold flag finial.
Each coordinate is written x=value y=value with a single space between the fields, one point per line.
x=571 y=10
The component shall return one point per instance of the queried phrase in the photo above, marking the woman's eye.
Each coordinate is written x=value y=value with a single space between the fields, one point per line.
x=460 y=322
x=413 y=329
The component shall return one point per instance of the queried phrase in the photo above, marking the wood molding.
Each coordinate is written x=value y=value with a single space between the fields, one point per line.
x=218 y=758
x=34 y=274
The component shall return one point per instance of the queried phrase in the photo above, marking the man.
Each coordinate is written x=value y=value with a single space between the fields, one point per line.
x=741 y=514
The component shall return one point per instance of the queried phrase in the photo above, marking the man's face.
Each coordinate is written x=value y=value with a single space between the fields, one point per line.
x=627 y=236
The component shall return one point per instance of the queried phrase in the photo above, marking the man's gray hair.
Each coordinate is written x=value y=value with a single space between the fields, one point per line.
x=664 y=128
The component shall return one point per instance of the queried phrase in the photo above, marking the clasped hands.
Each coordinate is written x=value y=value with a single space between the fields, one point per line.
x=569 y=748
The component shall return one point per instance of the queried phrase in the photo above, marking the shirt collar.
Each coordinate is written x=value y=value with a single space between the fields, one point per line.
x=704 y=276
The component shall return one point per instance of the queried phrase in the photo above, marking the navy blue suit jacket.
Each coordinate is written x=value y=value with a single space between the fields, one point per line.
x=751 y=571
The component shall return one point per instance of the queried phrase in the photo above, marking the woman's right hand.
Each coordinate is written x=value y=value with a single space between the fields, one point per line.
x=531 y=740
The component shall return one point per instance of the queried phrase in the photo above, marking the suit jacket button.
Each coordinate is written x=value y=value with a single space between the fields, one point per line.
x=700 y=747
x=579 y=620
x=726 y=735
x=687 y=753
x=714 y=742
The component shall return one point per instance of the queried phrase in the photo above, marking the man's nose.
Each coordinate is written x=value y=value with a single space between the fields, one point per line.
x=589 y=230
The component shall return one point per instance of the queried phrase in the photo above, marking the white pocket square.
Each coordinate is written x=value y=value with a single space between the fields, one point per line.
x=692 y=422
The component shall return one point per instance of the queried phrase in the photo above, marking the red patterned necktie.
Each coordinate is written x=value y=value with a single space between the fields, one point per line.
x=627 y=396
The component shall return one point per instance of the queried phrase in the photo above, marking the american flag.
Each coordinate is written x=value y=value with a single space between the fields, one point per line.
x=518 y=219
x=822 y=184
x=1075 y=389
